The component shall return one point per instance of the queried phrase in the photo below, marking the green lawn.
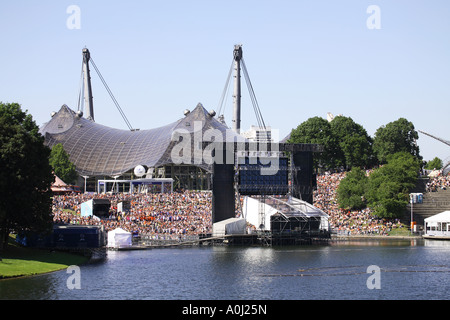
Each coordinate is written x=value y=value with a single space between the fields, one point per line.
x=18 y=261
x=404 y=232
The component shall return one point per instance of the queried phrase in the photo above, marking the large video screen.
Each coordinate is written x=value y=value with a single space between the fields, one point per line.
x=263 y=176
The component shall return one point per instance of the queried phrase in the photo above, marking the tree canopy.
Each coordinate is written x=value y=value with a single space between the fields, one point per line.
x=389 y=186
x=25 y=175
x=352 y=190
x=61 y=164
x=385 y=191
x=396 y=136
x=436 y=163
x=346 y=143
x=355 y=145
x=318 y=130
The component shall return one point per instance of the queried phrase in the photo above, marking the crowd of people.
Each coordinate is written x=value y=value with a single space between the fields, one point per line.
x=189 y=212
x=439 y=182
x=177 y=213
x=348 y=222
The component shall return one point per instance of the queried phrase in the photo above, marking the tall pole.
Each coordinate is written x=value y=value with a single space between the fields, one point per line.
x=85 y=178
x=237 y=89
x=88 y=105
x=291 y=189
x=412 y=219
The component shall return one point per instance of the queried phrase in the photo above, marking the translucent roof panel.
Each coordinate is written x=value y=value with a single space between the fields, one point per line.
x=98 y=150
x=290 y=206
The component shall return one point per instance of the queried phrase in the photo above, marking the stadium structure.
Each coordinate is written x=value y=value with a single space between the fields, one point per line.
x=196 y=152
x=100 y=152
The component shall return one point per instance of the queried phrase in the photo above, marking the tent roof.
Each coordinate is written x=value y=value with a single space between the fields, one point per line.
x=58 y=182
x=227 y=221
x=98 y=150
x=59 y=186
x=440 y=217
x=119 y=230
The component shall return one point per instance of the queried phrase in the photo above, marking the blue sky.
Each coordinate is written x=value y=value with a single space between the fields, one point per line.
x=304 y=58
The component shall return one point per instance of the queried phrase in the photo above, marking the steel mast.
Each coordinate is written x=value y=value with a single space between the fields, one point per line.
x=237 y=88
x=88 y=104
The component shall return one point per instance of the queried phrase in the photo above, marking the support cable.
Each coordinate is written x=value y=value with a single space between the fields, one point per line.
x=111 y=95
x=225 y=90
x=253 y=97
x=252 y=94
x=81 y=91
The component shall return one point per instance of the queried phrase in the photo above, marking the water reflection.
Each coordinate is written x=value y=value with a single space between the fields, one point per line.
x=437 y=243
x=378 y=242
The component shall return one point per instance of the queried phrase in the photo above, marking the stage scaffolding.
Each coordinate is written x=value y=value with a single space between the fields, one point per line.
x=292 y=221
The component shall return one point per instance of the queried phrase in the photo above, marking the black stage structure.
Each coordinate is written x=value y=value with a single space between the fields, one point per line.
x=250 y=175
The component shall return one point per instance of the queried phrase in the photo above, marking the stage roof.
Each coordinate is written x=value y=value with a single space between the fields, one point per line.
x=257 y=208
x=290 y=206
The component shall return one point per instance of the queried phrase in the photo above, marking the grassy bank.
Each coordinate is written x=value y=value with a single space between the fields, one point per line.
x=18 y=261
x=400 y=232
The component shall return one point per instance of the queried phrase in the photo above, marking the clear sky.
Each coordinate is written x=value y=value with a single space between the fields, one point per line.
x=304 y=58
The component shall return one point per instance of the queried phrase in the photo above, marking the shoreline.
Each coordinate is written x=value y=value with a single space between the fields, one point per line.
x=28 y=275
x=21 y=262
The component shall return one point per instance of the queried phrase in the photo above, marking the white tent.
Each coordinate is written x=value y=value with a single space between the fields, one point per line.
x=251 y=211
x=229 y=226
x=119 y=238
x=438 y=225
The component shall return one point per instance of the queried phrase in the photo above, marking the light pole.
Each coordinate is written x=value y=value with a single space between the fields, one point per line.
x=411 y=196
x=85 y=178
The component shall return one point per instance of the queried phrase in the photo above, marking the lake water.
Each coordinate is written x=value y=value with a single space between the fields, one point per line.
x=408 y=269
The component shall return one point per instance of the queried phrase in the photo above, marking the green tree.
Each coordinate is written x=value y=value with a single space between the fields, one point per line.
x=318 y=130
x=25 y=175
x=403 y=168
x=396 y=136
x=352 y=189
x=436 y=163
x=354 y=143
x=388 y=186
x=61 y=164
